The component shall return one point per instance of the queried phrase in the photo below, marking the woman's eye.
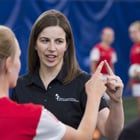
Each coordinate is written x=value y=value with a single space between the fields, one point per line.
x=59 y=41
x=44 y=40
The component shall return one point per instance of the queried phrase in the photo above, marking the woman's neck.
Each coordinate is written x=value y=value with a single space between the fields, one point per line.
x=48 y=74
x=105 y=45
x=4 y=88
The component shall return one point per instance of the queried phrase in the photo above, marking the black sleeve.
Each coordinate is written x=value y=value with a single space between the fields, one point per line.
x=103 y=104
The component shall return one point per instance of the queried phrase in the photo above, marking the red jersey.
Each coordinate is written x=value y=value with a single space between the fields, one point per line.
x=135 y=57
x=135 y=54
x=28 y=122
x=99 y=53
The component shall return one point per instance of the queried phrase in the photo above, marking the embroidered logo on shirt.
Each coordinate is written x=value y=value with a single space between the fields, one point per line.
x=58 y=98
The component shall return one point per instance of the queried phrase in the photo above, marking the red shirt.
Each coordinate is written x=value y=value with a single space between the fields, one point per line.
x=135 y=57
x=135 y=54
x=105 y=54
x=28 y=122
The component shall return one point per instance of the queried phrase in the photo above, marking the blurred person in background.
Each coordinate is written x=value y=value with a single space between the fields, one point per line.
x=134 y=70
x=55 y=80
x=103 y=51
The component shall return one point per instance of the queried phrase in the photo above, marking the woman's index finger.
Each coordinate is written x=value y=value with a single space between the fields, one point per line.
x=110 y=72
x=99 y=68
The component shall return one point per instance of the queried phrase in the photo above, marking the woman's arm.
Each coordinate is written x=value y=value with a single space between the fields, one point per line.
x=95 y=88
x=111 y=121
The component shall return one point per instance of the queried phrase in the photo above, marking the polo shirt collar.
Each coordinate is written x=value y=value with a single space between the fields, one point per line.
x=35 y=77
x=62 y=74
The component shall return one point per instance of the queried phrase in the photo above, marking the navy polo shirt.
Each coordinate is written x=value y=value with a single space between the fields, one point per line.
x=66 y=101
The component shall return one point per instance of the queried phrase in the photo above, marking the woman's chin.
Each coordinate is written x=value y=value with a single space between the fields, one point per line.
x=51 y=65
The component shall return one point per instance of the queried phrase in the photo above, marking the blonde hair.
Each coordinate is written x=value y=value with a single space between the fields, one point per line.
x=136 y=24
x=7 y=42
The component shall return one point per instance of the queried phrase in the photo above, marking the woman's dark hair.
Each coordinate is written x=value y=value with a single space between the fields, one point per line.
x=53 y=18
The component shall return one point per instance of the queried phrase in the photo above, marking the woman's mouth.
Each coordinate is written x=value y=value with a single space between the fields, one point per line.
x=51 y=58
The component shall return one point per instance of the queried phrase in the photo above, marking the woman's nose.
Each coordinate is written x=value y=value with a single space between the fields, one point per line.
x=51 y=46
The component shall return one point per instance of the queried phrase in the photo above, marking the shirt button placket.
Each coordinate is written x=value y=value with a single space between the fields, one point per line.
x=45 y=100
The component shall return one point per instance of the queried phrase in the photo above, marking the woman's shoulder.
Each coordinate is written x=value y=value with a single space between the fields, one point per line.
x=25 y=78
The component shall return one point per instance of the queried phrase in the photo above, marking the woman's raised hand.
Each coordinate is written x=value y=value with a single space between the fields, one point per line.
x=96 y=85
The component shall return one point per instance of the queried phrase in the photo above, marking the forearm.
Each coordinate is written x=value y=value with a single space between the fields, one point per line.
x=89 y=118
x=115 y=121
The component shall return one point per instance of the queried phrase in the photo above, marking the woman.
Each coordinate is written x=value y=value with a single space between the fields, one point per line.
x=32 y=122
x=55 y=80
x=134 y=70
x=104 y=51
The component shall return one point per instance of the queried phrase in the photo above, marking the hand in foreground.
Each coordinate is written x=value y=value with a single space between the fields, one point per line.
x=114 y=85
x=96 y=85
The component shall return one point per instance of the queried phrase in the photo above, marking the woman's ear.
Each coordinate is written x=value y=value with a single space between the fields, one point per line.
x=8 y=63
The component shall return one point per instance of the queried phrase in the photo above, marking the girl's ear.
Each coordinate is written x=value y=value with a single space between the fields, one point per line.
x=8 y=64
